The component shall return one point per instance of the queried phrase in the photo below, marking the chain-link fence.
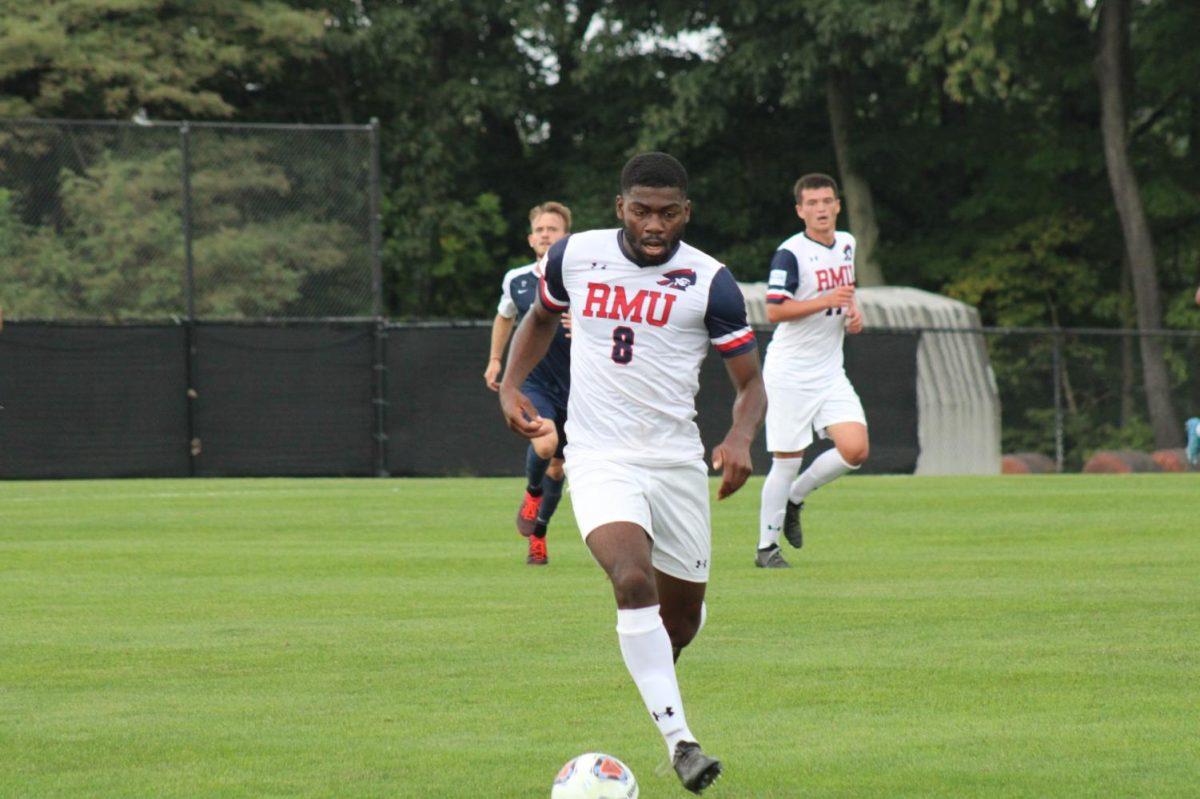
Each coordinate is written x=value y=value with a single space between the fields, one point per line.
x=119 y=221
x=1067 y=394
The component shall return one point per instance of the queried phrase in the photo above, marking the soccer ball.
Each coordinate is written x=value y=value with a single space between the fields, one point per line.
x=594 y=776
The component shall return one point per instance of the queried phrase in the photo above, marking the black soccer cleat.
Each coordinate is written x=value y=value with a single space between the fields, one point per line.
x=696 y=770
x=791 y=524
x=770 y=558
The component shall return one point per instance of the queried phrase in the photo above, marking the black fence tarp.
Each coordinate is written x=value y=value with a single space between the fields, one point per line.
x=93 y=401
x=288 y=401
x=442 y=420
x=452 y=425
x=303 y=399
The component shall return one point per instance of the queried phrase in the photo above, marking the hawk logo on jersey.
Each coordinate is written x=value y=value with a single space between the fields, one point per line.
x=848 y=252
x=679 y=279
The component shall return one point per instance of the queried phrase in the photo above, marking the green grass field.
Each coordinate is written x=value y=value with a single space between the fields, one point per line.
x=938 y=637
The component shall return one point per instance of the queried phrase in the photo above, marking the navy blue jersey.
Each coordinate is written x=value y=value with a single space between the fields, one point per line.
x=519 y=291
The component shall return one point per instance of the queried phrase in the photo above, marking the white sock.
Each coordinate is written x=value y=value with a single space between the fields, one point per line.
x=646 y=648
x=774 y=499
x=827 y=467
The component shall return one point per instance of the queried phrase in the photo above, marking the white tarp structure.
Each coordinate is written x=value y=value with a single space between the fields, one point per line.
x=958 y=405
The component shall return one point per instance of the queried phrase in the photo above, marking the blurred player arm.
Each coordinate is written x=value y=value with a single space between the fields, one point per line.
x=787 y=310
x=732 y=456
x=734 y=339
x=502 y=327
x=854 y=318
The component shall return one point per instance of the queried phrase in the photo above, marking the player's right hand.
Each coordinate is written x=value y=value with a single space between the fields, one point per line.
x=491 y=373
x=519 y=413
x=840 y=297
x=854 y=319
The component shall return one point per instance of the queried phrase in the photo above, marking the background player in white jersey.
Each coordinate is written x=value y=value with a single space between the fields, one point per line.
x=810 y=294
x=644 y=308
x=547 y=386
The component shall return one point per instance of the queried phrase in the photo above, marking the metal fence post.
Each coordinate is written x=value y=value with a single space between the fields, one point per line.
x=185 y=146
x=1056 y=339
x=376 y=223
x=189 y=288
x=380 y=399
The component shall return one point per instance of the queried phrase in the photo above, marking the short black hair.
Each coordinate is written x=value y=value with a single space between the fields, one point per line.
x=815 y=180
x=654 y=169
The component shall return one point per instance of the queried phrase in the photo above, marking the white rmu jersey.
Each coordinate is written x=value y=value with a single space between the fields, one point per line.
x=638 y=336
x=806 y=353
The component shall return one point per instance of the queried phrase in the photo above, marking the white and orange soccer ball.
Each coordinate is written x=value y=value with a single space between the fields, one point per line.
x=594 y=775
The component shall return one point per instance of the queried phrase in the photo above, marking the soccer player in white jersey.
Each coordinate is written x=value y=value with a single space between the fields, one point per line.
x=644 y=308
x=810 y=294
x=547 y=386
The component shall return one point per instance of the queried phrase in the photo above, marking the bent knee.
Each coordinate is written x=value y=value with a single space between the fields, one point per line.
x=855 y=455
x=545 y=446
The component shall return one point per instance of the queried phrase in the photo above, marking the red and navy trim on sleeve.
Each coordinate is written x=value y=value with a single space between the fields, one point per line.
x=550 y=286
x=784 y=278
x=726 y=317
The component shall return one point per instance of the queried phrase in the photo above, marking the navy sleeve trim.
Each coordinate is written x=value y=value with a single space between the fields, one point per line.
x=726 y=317
x=784 y=278
x=550 y=288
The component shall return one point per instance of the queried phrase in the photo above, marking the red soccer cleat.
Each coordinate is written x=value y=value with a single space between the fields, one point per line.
x=527 y=515
x=537 y=552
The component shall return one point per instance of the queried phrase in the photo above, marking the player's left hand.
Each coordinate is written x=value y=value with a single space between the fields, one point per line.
x=491 y=373
x=566 y=323
x=854 y=320
x=733 y=461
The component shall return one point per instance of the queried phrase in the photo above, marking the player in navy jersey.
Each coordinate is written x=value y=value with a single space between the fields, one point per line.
x=810 y=294
x=645 y=307
x=547 y=385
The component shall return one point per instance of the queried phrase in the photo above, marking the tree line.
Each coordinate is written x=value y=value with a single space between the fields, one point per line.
x=1035 y=158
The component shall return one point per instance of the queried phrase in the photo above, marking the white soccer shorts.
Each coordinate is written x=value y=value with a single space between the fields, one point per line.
x=669 y=502
x=793 y=413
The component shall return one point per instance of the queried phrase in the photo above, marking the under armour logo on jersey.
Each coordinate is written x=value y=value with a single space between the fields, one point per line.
x=669 y=712
x=702 y=564
x=679 y=279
